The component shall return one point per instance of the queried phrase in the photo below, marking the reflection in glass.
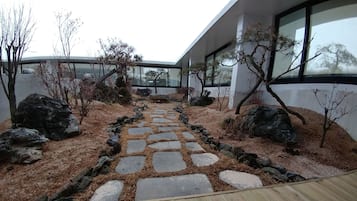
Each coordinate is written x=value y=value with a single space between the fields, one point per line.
x=333 y=28
x=291 y=26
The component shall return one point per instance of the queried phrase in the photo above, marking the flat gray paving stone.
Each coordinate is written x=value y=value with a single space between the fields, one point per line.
x=157 y=116
x=109 y=191
x=166 y=145
x=139 y=131
x=161 y=120
x=163 y=136
x=204 y=159
x=135 y=146
x=194 y=146
x=165 y=124
x=159 y=112
x=168 y=128
x=172 y=117
x=168 y=162
x=130 y=164
x=188 y=136
x=141 y=124
x=240 y=180
x=163 y=187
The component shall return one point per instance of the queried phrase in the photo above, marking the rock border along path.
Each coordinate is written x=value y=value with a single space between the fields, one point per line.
x=159 y=144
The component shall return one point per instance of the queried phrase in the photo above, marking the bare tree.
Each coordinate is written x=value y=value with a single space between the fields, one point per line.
x=332 y=107
x=16 y=31
x=86 y=93
x=67 y=28
x=154 y=76
x=121 y=55
x=334 y=55
x=51 y=76
x=199 y=72
x=261 y=41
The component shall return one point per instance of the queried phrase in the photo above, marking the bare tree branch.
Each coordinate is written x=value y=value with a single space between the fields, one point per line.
x=16 y=31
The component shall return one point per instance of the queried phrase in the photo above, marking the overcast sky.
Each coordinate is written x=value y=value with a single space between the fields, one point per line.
x=158 y=29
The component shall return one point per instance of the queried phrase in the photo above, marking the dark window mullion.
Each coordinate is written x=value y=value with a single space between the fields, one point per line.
x=306 y=42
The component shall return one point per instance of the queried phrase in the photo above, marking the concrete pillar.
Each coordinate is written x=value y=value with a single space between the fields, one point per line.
x=242 y=79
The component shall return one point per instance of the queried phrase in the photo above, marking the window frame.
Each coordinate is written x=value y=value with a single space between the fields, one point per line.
x=301 y=78
x=214 y=55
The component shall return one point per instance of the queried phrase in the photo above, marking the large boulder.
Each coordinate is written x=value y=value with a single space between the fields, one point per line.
x=273 y=123
x=51 y=117
x=203 y=100
x=21 y=145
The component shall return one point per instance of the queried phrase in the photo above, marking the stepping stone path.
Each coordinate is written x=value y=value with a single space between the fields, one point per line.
x=157 y=145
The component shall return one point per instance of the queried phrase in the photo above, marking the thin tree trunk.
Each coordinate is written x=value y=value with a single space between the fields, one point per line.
x=104 y=77
x=248 y=95
x=12 y=101
x=324 y=129
x=281 y=102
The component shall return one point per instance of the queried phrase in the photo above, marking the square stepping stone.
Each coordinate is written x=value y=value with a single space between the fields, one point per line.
x=168 y=162
x=160 y=120
x=109 y=191
x=130 y=164
x=135 y=146
x=194 y=146
x=172 y=117
x=168 y=128
x=240 y=180
x=204 y=159
x=163 y=187
x=163 y=136
x=139 y=131
x=160 y=112
x=166 y=145
x=188 y=136
x=157 y=116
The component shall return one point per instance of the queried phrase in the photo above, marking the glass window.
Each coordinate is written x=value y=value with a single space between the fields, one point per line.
x=223 y=69
x=219 y=68
x=145 y=76
x=291 y=26
x=209 y=70
x=332 y=40
x=333 y=32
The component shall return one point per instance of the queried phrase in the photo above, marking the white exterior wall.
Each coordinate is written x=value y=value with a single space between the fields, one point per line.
x=26 y=84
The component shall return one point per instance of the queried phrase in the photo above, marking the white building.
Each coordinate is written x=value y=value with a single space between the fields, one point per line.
x=326 y=21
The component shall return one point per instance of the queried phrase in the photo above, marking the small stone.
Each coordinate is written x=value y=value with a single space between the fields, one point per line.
x=204 y=159
x=188 y=136
x=240 y=180
x=110 y=191
x=275 y=174
x=263 y=162
x=227 y=153
x=194 y=146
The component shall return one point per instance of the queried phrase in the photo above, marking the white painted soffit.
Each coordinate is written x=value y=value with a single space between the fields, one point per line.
x=222 y=28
